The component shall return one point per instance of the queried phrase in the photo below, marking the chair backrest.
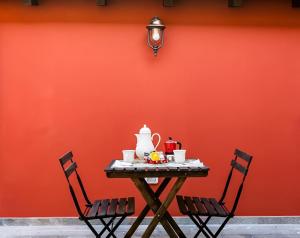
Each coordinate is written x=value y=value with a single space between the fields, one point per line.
x=70 y=170
x=235 y=165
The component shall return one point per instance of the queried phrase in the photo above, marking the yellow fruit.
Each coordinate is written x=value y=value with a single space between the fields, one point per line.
x=154 y=156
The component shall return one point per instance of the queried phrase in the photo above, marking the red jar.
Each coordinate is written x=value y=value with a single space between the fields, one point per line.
x=171 y=145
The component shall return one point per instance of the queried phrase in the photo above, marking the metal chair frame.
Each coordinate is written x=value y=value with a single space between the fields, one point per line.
x=202 y=224
x=68 y=157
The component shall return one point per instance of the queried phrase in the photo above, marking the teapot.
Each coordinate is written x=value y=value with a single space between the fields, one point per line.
x=170 y=145
x=144 y=142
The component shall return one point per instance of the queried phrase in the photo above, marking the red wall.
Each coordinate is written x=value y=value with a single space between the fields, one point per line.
x=76 y=76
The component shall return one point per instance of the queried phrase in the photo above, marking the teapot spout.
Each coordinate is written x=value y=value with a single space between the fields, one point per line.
x=137 y=135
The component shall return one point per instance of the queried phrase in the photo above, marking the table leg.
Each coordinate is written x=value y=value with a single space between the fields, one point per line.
x=174 y=225
x=160 y=213
x=146 y=209
x=151 y=200
x=167 y=214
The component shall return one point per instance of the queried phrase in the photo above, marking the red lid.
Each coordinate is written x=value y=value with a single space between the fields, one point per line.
x=171 y=141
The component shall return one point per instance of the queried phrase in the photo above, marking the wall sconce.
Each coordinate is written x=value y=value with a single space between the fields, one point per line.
x=155 y=34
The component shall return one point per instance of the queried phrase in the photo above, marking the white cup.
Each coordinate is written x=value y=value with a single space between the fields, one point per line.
x=128 y=155
x=179 y=156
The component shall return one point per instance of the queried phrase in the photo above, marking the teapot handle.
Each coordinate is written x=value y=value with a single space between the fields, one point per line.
x=180 y=145
x=158 y=139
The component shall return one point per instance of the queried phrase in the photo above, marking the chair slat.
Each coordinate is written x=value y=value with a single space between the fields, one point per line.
x=94 y=210
x=71 y=169
x=65 y=158
x=239 y=167
x=122 y=206
x=218 y=207
x=103 y=208
x=130 y=205
x=211 y=210
x=243 y=155
x=181 y=205
x=199 y=205
x=190 y=205
x=112 y=207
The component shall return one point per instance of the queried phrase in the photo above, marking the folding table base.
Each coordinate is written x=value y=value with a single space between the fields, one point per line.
x=159 y=208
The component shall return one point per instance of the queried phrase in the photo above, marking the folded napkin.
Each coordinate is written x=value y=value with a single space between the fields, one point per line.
x=187 y=163
x=121 y=163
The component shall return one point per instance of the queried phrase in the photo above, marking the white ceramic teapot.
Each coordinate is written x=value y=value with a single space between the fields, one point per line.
x=144 y=142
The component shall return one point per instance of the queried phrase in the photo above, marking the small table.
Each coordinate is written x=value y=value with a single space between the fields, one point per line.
x=161 y=214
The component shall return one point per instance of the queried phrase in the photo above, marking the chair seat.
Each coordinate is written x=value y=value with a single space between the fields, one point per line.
x=201 y=206
x=111 y=208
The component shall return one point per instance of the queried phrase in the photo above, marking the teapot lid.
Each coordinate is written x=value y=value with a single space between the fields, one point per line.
x=145 y=129
x=171 y=140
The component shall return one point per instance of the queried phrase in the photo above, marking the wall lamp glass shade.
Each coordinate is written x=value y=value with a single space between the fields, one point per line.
x=155 y=34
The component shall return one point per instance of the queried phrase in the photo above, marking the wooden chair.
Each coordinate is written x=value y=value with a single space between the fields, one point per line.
x=99 y=209
x=196 y=207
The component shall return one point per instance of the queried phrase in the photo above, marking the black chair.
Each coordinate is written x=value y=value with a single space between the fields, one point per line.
x=100 y=209
x=196 y=207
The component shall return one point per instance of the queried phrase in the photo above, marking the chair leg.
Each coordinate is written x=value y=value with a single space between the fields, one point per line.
x=202 y=225
x=91 y=227
x=222 y=226
x=197 y=234
x=106 y=227
x=200 y=228
x=111 y=233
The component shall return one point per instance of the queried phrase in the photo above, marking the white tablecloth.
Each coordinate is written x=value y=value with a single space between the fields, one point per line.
x=141 y=164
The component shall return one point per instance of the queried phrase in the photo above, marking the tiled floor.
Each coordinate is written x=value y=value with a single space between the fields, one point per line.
x=230 y=231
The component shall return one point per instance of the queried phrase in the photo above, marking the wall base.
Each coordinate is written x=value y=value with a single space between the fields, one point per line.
x=38 y=221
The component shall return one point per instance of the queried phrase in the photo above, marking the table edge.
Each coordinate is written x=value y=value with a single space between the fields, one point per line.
x=119 y=173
